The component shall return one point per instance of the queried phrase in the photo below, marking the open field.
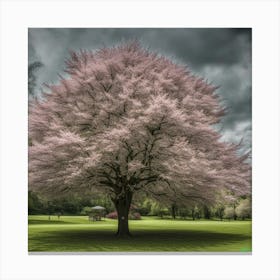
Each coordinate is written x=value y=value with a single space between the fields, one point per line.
x=77 y=234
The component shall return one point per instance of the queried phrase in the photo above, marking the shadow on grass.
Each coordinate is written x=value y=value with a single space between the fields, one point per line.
x=148 y=240
x=56 y=222
x=48 y=222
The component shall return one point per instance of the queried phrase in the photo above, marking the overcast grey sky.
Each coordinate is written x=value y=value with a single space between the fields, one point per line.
x=221 y=55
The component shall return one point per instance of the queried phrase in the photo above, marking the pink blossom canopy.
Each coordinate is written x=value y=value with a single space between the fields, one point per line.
x=126 y=119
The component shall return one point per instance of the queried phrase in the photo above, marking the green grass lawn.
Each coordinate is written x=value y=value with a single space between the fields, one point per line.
x=77 y=234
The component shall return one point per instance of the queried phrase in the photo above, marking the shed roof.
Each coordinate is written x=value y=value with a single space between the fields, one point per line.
x=97 y=208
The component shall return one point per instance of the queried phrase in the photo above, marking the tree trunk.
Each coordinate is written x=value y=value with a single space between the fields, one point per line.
x=173 y=210
x=122 y=206
x=207 y=214
x=193 y=215
x=234 y=215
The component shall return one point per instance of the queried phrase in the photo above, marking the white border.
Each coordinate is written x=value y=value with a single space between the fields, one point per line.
x=262 y=16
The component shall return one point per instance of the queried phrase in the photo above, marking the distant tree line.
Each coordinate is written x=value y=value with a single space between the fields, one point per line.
x=240 y=209
x=78 y=205
x=66 y=205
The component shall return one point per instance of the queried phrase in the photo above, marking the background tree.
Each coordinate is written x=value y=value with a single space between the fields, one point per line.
x=32 y=79
x=231 y=201
x=206 y=212
x=145 y=206
x=183 y=212
x=174 y=209
x=195 y=212
x=86 y=210
x=220 y=210
x=125 y=121
x=50 y=208
x=35 y=204
x=229 y=212
x=244 y=209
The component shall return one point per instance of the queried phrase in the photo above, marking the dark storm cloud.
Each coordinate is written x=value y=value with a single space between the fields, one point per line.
x=222 y=56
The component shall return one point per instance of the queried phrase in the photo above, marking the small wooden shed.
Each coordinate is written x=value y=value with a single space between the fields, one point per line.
x=97 y=212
